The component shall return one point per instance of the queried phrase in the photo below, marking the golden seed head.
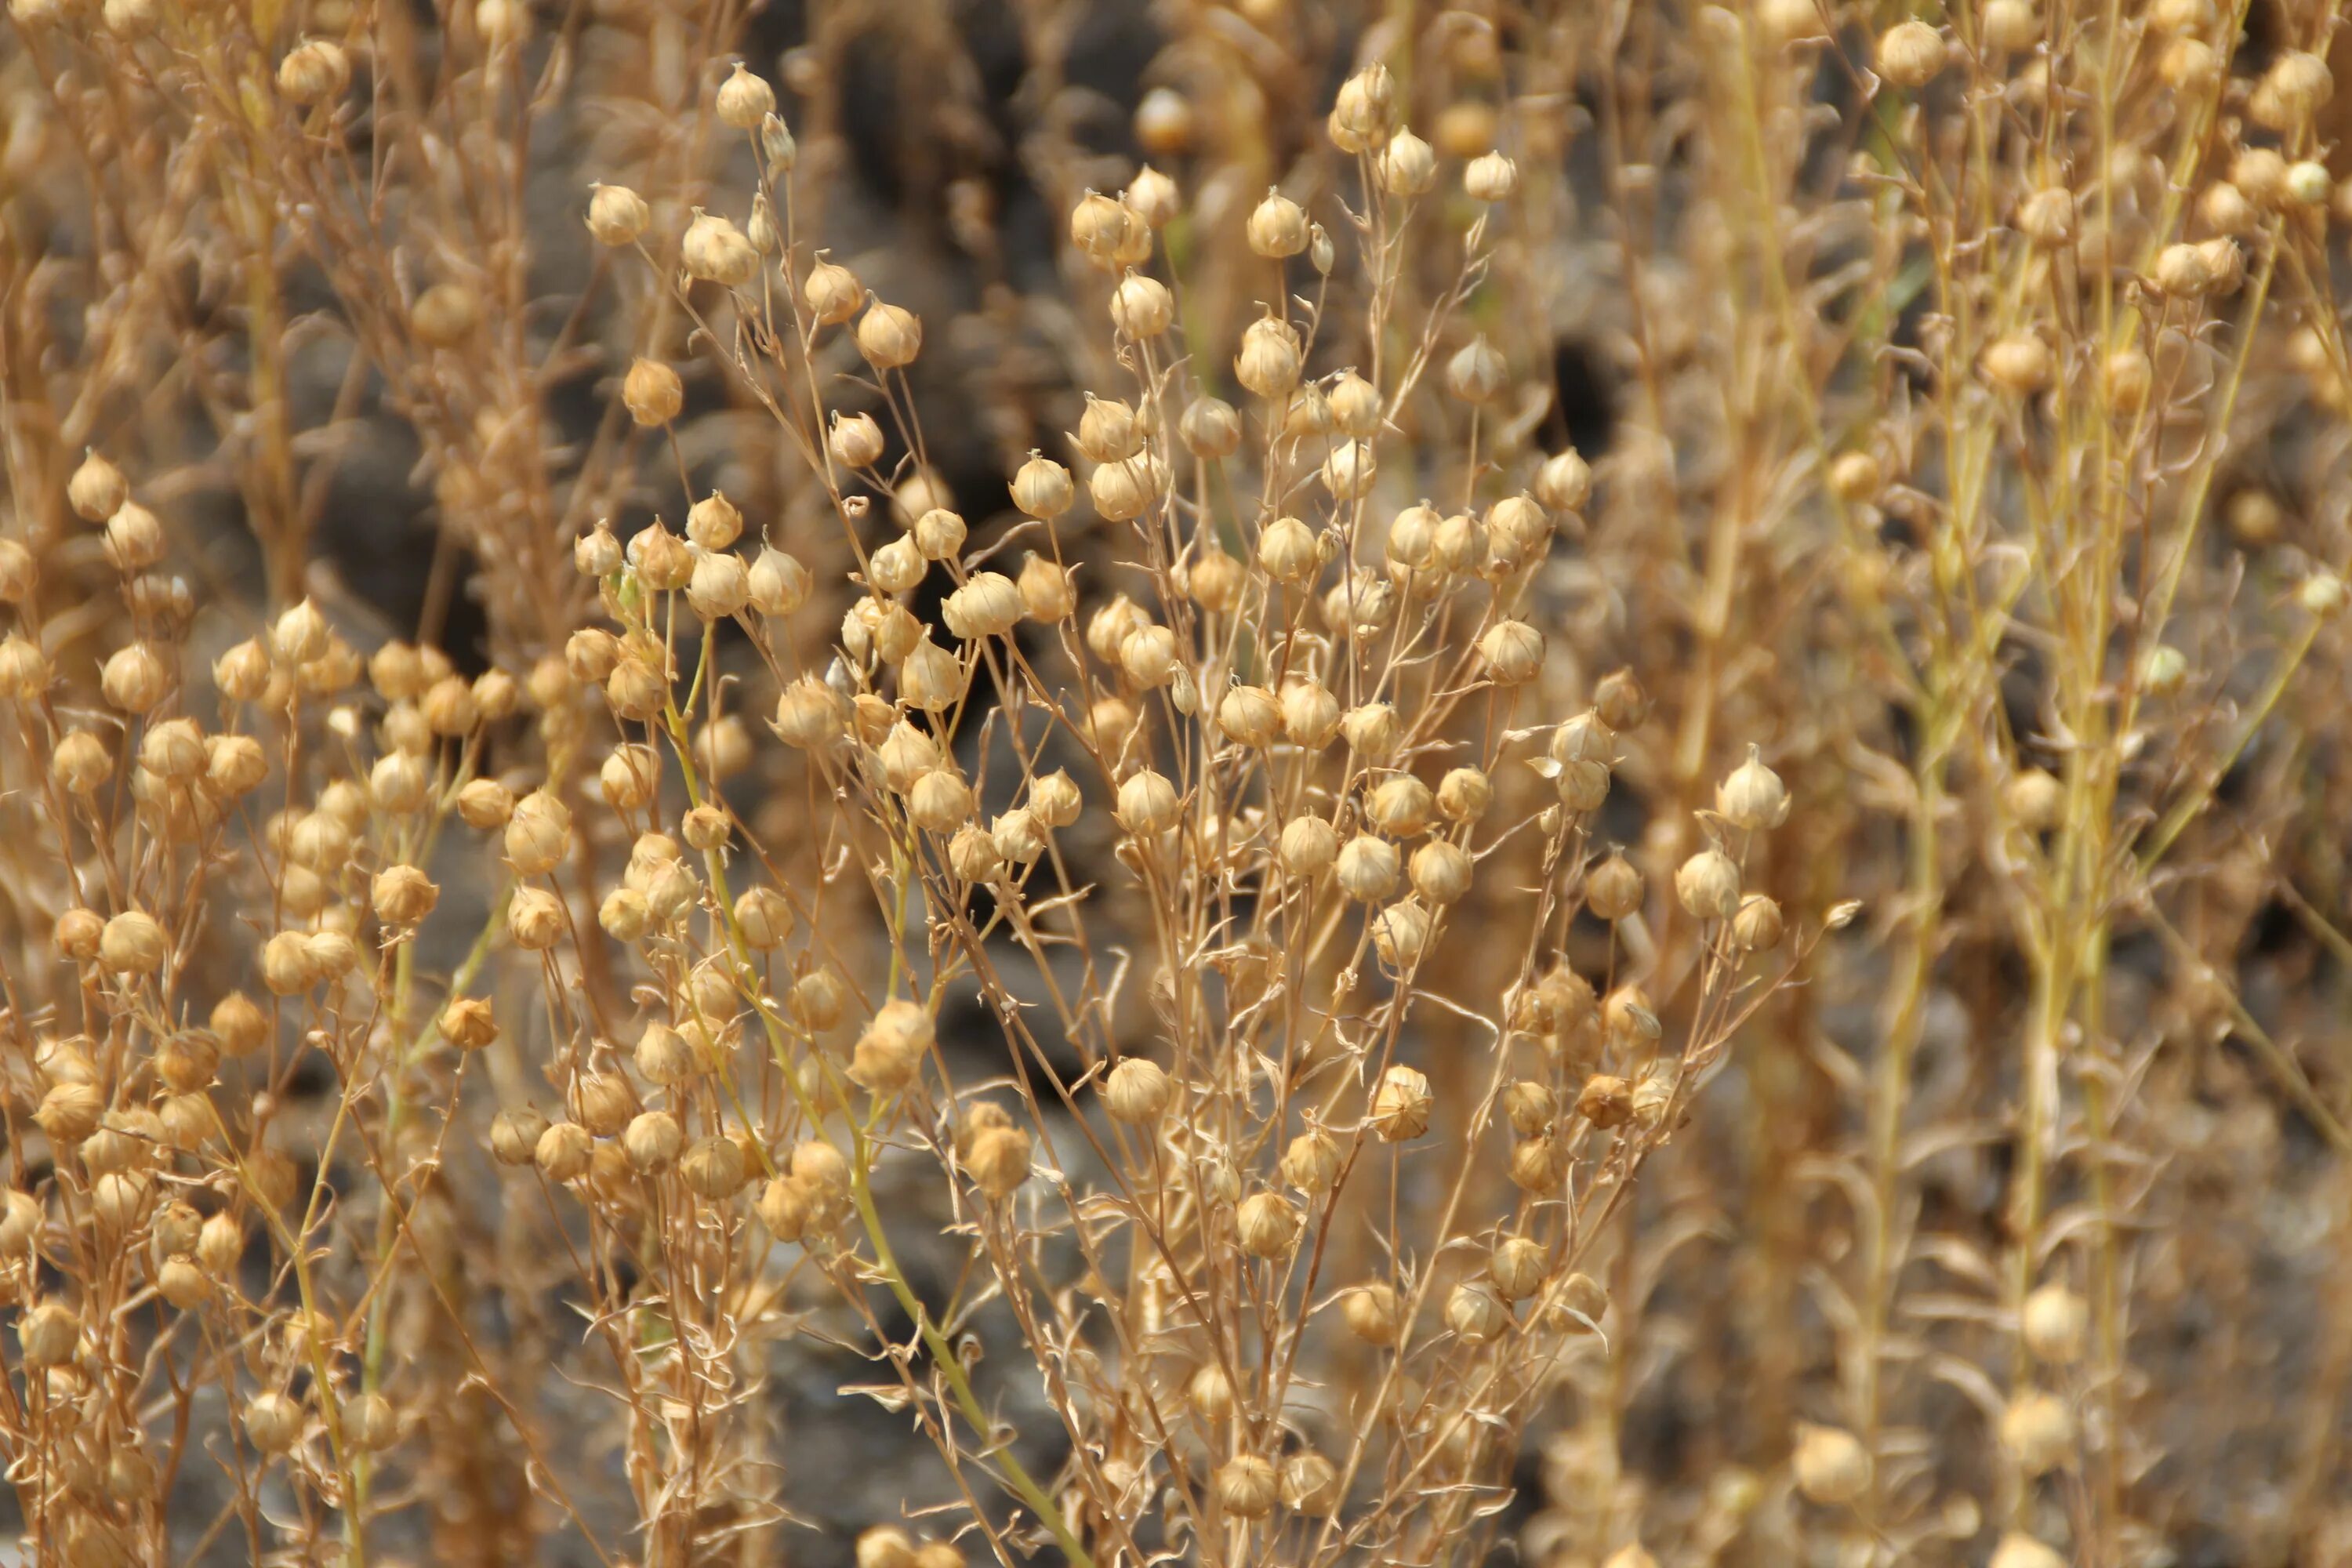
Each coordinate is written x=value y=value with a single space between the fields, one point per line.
x=1830 y=1465
x=1910 y=55
x=617 y=215
x=745 y=101
x=1401 y=1105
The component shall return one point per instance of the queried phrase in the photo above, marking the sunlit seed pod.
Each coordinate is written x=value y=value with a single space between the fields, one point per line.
x=1269 y=362
x=134 y=678
x=889 y=336
x=1350 y=469
x=2019 y=365
x=1368 y=868
x=537 y=834
x=1148 y=805
x=743 y=100
x=1277 y=226
x=1311 y=1161
x=1605 y=1101
x=2225 y=263
x=939 y=534
x=1910 y=55
x=1266 y=1224
x=2054 y=1323
x=617 y=215
x=2163 y=670
x=1490 y=177
x=134 y=539
x=1249 y=716
x=402 y=894
x=1707 y=885
x=1513 y=652
x=1401 y=934
x=76 y=935
x=1364 y=113
x=1756 y=926
x=514 y=1134
x=19 y=573
x=1458 y=541
x=2018 y=1550
x=930 y=678
x=2181 y=271
x=1149 y=657
x=1399 y=806
x=1042 y=487
x=1245 y=1486
x=854 y=440
x=1830 y=1465
x=1308 y=847
x=810 y=715
x=1407 y=166
x=1000 y=1161
x=562 y=1152
x=2309 y=183
x=715 y=251
x=1373 y=732
x=1519 y=1266
x=832 y=292
x=653 y=1142
x=2035 y=799
x=779 y=585
x=2189 y=65
x=1103 y=228
x=1142 y=307
x=535 y=919
x=1210 y=429
x=1121 y=492
x=1310 y=1484
x=1400 y=1106
x=1373 y=1314
x=652 y=393
x=96 y=489
x=1477 y=372
x=1441 y=871
x=314 y=71
x=1056 y=799
x=2038 y=1432
x=2321 y=593
x=1475 y=1314
x=940 y=801
x=2290 y=92
x=2011 y=27
x=1286 y=548
x=1152 y=195
x=466 y=1023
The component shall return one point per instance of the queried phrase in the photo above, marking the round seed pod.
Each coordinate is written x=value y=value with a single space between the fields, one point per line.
x=1247 y=1487
x=1137 y=1091
x=1400 y=1105
x=652 y=393
x=2054 y=1324
x=1490 y=177
x=1148 y=805
x=1613 y=890
x=1830 y=1465
x=653 y=1142
x=1042 y=487
x=999 y=1161
x=1373 y=1314
x=1708 y=885
x=1267 y=1224
x=1910 y=55
x=1475 y=1314
x=1752 y=797
x=617 y=215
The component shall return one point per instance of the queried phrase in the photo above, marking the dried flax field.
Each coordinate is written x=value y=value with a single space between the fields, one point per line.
x=1257 y=783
